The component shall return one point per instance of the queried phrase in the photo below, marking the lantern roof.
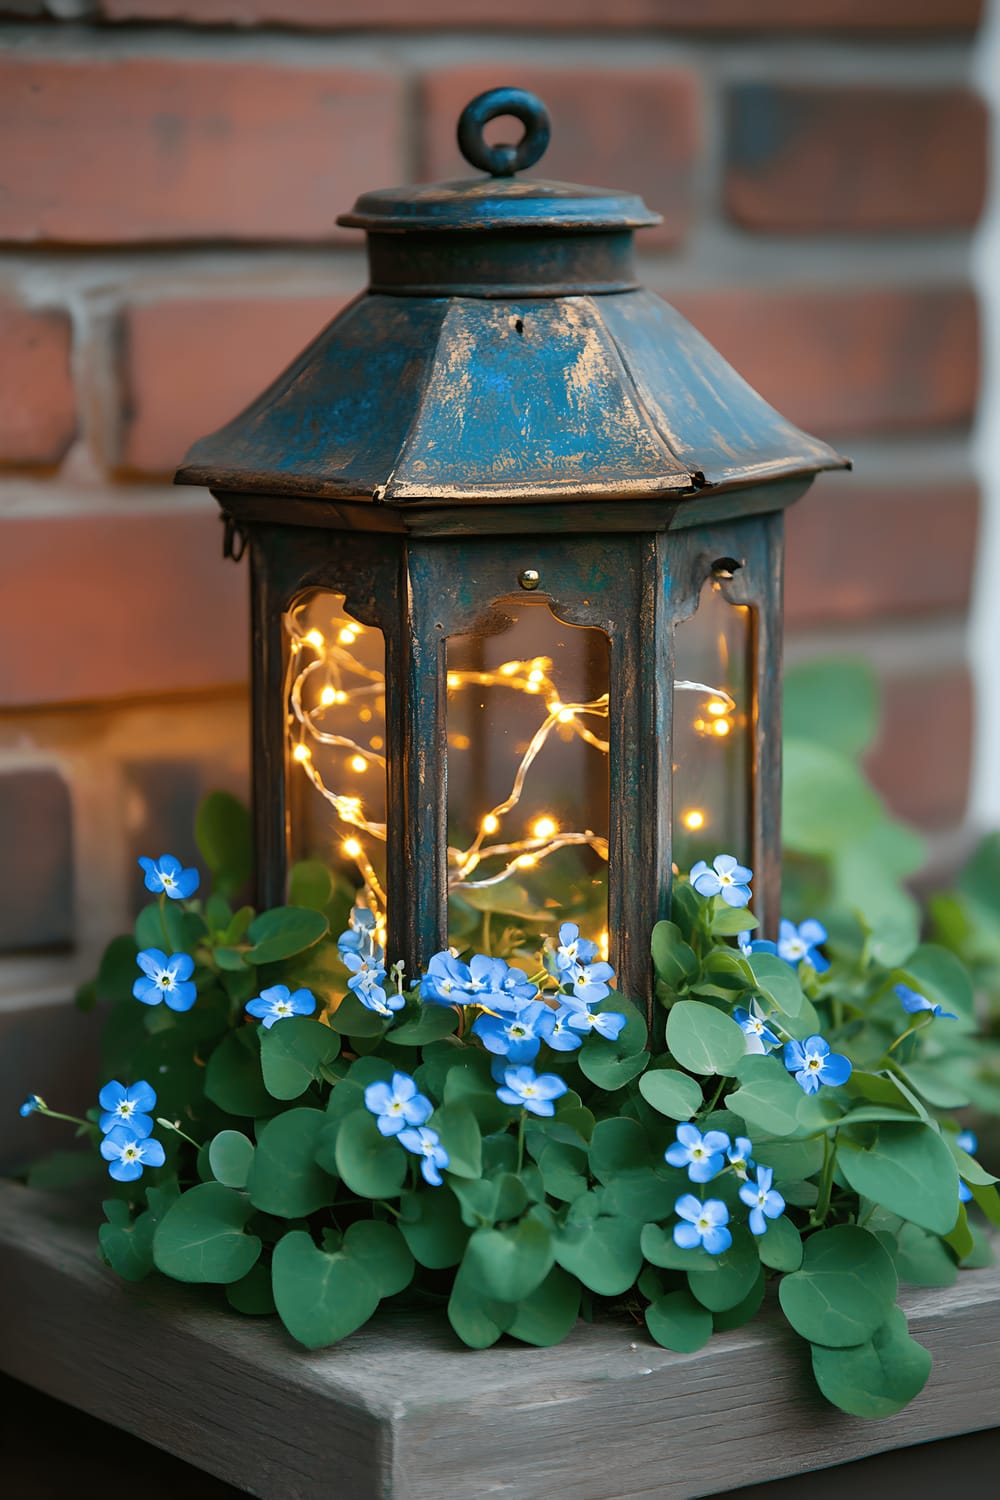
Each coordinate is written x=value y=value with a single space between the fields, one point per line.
x=504 y=350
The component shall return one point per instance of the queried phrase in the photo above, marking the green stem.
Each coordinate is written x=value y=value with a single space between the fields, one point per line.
x=910 y=1031
x=520 y=1139
x=382 y=1204
x=169 y=1125
x=822 y=1208
x=163 y=918
x=53 y=1114
x=707 y=1109
x=487 y=919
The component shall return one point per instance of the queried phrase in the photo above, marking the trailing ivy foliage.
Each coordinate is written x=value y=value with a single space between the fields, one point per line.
x=367 y=1140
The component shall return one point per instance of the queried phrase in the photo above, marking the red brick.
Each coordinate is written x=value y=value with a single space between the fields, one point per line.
x=37 y=405
x=923 y=757
x=665 y=15
x=142 y=149
x=859 y=552
x=189 y=366
x=848 y=361
x=637 y=130
x=120 y=604
x=815 y=160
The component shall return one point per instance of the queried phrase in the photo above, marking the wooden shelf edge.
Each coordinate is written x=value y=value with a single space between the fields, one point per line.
x=400 y=1411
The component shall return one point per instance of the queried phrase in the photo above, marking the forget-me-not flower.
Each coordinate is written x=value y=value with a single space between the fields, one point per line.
x=518 y=1036
x=166 y=875
x=728 y=879
x=912 y=1002
x=967 y=1141
x=607 y=1023
x=397 y=1105
x=367 y=981
x=426 y=1144
x=554 y=1029
x=129 y=1154
x=762 y=1200
x=589 y=981
x=482 y=981
x=33 y=1102
x=813 y=1063
x=748 y=944
x=276 y=1004
x=702 y=1224
x=739 y=1157
x=702 y=1155
x=800 y=944
x=760 y=1037
x=164 y=978
x=572 y=949
x=535 y=1092
x=127 y=1106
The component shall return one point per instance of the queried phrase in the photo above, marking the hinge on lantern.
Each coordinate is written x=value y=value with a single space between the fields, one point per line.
x=234 y=540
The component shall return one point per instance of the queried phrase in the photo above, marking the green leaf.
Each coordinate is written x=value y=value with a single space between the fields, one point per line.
x=127 y=1244
x=988 y=1199
x=933 y=1083
x=922 y=1258
x=564 y=1171
x=320 y=1297
x=702 y=1039
x=478 y=1320
x=383 y=1252
x=732 y=1276
x=743 y=1312
x=673 y=959
x=285 y=1178
x=910 y=1171
x=833 y=701
x=118 y=970
x=960 y=1238
x=827 y=804
x=351 y=1018
x=767 y=1098
x=678 y=1322
x=789 y=1160
x=491 y=1200
x=618 y=1146
x=845 y=1290
x=284 y=931
x=233 y=1078
x=223 y=834
x=432 y=1227
x=659 y=1248
x=509 y=1264
x=613 y=1064
x=876 y=1378
x=229 y=1155
x=601 y=1252
x=252 y=1293
x=729 y=920
x=460 y=1137
x=431 y=1024
x=310 y=883
x=549 y=1313
x=671 y=1093
x=940 y=977
x=780 y=1247
x=201 y=1236
x=292 y=1052
x=777 y=982
x=372 y=1165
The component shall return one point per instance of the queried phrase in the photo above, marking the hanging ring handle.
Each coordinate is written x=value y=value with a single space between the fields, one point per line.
x=504 y=161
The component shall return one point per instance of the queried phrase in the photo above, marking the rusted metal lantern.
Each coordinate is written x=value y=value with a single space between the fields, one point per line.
x=515 y=534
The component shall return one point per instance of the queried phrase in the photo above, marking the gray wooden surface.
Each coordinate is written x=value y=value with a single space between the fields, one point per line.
x=401 y=1412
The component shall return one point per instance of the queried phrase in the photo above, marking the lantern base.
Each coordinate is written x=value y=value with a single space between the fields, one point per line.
x=400 y=1410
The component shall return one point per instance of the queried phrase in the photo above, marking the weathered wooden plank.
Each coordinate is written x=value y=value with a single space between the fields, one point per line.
x=401 y=1412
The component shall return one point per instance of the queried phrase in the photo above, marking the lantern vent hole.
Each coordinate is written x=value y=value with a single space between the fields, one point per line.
x=519 y=325
x=725 y=567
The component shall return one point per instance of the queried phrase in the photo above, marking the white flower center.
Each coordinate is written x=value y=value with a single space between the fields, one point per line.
x=283 y=1008
x=125 y=1108
x=703 y=1224
x=813 y=1062
x=165 y=980
x=529 y=1091
x=725 y=880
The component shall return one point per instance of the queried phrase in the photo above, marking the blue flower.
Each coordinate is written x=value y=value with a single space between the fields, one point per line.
x=701 y=1154
x=397 y=1104
x=359 y=938
x=516 y=991
x=912 y=1002
x=426 y=1143
x=748 y=945
x=276 y=1003
x=800 y=944
x=966 y=1140
x=367 y=981
x=535 y=1092
x=607 y=1023
x=764 y=1203
x=739 y=1157
x=555 y=1030
x=589 y=981
x=703 y=1224
x=482 y=981
x=166 y=875
x=573 y=949
x=33 y=1102
x=166 y=979
x=727 y=879
x=518 y=1037
x=127 y=1106
x=813 y=1063
x=760 y=1038
x=964 y=1193
x=129 y=1154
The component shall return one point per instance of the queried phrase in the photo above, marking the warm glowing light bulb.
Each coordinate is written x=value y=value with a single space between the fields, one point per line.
x=315 y=638
x=604 y=944
x=694 y=819
x=491 y=823
x=545 y=828
x=525 y=861
x=347 y=636
x=536 y=675
x=358 y=763
x=509 y=668
x=717 y=706
x=566 y=716
x=722 y=726
x=328 y=696
x=365 y=715
x=454 y=680
x=301 y=753
x=352 y=848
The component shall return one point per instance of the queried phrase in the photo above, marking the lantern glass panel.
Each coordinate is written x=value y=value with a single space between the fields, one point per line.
x=713 y=723
x=335 y=730
x=527 y=778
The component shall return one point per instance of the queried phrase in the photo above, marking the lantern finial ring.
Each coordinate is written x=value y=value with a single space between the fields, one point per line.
x=504 y=160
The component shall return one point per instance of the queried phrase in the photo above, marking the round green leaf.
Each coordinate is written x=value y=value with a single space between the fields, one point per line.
x=910 y=1171
x=780 y=1246
x=127 y=1245
x=827 y=804
x=285 y=1178
x=491 y=1200
x=383 y=1252
x=612 y=1064
x=778 y=982
x=508 y=1264
x=229 y=1156
x=478 y=1320
x=618 y=1146
x=564 y=1171
x=876 y=1378
x=735 y=1317
x=430 y=1024
x=431 y=1225
x=678 y=1322
x=845 y=1289
x=548 y=1315
x=940 y=976
x=372 y=1165
x=602 y=1252
x=283 y=931
x=223 y=835
x=702 y=1039
x=768 y=1097
x=922 y=1258
x=320 y=1297
x=731 y=1278
x=672 y=1093
x=201 y=1236
x=351 y=1018
x=252 y=1293
x=460 y=1137
x=673 y=959
x=233 y=1078
x=310 y=883
x=292 y=1051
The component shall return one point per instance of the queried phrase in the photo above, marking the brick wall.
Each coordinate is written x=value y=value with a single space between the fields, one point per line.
x=170 y=171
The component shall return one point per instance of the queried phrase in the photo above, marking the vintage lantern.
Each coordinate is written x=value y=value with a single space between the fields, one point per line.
x=515 y=534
